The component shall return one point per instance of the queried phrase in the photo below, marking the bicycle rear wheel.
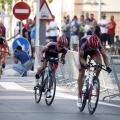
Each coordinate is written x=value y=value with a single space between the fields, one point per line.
x=39 y=89
x=50 y=87
x=93 y=95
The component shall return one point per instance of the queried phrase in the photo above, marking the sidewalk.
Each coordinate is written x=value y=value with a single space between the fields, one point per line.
x=8 y=71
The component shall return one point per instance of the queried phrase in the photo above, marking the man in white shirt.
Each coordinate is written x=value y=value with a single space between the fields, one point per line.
x=102 y=24
x=53 y=30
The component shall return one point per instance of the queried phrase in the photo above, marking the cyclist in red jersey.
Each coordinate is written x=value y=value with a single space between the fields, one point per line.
x=89 y=45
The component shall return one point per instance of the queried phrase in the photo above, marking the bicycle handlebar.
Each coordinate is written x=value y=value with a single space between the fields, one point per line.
x=96 y=66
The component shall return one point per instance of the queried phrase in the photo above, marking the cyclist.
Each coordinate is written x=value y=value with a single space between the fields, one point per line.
x=4 y=47
x=90 y=45
x=52 y=49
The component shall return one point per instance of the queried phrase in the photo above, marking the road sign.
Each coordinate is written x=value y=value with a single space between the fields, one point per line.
x=21 y=10
x=23 y=42
x=45 y=13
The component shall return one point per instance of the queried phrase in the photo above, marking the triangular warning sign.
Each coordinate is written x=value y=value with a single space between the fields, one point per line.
x=45 y=13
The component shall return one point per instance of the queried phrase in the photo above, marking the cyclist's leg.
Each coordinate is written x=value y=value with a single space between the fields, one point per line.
x=80 y=81
x=4 y=56
x=39 y=71
x=7 y=48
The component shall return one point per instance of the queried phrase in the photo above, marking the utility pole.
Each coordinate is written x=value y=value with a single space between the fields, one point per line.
x=99 y=11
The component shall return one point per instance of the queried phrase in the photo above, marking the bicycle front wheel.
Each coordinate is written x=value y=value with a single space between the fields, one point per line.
x=83 y=100
x=39 y=89
x=50 y=89
x=93 y=95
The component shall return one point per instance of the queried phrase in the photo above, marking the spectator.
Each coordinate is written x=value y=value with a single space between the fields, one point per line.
x=24 y=58
x=87 y=17
x=87 y=28
x=24 y=32
x=74 y=28
x=27 y=23
x=16 y=30
x=32 y=38
x=66 y=31
x=96 y=28
x=68 y=17
x=53 y=30
x=81 y=28
x=111 y=33
x=47 y=32
x=117 y=45
x=92 y=17
x=103 y=23
x=29 y=28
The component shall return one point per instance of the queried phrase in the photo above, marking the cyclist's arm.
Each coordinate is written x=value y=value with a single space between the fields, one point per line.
x=43 y=51
x=81 y=59
x=105 y=58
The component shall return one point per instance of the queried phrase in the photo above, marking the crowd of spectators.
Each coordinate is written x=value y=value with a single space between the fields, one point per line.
x=74 y=29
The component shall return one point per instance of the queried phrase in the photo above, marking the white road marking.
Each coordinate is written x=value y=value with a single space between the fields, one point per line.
x=22 y=11
x=12 y=86
x=15 y=86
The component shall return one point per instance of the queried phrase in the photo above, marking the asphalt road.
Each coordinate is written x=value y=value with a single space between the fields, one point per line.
x=17 y=103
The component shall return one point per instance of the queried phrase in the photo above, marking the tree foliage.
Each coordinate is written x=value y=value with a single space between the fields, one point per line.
x=50 y=1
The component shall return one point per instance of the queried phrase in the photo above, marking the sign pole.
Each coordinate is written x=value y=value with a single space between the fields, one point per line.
x=99 y=11
x=21 y=25
x=37 y=38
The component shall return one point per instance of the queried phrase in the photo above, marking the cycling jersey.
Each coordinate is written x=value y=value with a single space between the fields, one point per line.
x=86 y=50
x=52 y=51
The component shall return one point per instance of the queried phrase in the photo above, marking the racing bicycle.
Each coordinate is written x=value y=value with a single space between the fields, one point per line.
x=91 y=88
x=47 y=83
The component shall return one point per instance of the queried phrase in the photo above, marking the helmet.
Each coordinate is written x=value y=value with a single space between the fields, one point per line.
x=94 y=42
x=62 y=40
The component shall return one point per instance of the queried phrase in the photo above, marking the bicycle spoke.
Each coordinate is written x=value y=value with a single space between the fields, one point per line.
x=51 y=89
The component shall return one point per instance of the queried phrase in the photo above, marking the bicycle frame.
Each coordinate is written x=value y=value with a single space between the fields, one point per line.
x=87 y=81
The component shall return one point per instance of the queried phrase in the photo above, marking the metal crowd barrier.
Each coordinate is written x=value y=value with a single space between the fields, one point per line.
x=112 y=82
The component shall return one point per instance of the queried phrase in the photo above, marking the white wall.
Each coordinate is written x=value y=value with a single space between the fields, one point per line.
x=110 y=5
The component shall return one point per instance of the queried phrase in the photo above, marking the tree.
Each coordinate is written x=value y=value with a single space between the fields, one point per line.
x=50 y=1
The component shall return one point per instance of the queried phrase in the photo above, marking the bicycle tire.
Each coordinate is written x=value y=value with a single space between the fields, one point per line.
x=83 y=101
x=49 y=100
x=94 y=92
x=39 y=89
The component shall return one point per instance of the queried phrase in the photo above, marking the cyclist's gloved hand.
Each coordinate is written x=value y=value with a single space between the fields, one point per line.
x=86 y=66
x=108 y=70
x=42 y=59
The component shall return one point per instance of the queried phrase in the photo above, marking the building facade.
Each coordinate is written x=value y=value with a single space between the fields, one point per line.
x=61 y=8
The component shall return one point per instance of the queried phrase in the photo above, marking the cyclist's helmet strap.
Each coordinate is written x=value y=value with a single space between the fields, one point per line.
x=62 y=40
x=94 y=42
